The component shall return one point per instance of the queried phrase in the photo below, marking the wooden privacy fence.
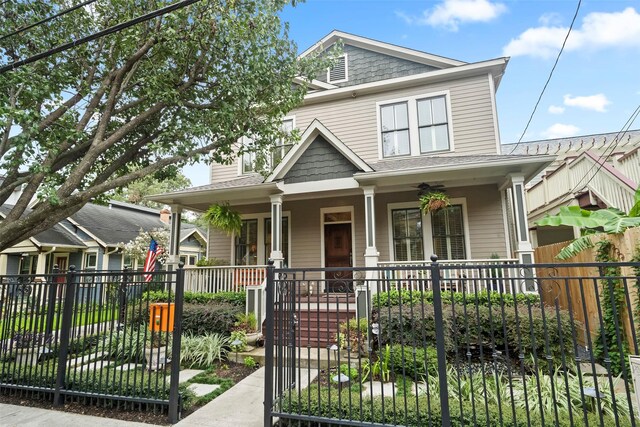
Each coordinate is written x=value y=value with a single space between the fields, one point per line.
x=579 y=289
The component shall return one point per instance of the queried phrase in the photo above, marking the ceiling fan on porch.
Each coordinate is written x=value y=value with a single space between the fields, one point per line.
x=425 y=188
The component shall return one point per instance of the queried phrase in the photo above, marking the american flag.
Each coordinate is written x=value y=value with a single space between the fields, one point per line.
x=150 y=261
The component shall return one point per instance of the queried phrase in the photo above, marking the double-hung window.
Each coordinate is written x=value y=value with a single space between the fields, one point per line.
x=414 y=126
x=447 y=228
x=281 y=149
x=395 y=129
x=433 y=125
x=248 y=157
x=407 y=234
x=246 y=252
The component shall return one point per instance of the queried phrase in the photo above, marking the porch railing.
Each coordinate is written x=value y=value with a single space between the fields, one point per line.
x=470 y=275
x=223 y=278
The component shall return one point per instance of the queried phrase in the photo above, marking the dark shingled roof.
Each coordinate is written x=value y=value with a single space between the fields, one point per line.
x=55 y=236
x=186 y=229
x=253 y=179
x=119 y=223
x=439 y=161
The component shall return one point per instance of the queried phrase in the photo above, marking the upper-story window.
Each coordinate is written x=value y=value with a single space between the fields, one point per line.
x=414 y=126
x=249 y=158
x=433 y=124
x=395 y=129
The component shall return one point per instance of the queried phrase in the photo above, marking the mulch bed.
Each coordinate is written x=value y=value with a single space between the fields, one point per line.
x=233 y=371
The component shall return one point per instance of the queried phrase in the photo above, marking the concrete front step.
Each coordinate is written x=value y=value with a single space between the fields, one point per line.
x=307 y=358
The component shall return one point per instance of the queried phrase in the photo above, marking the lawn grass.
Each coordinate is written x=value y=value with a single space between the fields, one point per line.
x=35 y=321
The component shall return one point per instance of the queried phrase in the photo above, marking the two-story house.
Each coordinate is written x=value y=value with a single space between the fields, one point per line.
x=383 y=123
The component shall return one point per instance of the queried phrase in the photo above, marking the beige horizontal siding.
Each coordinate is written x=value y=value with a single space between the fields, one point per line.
x=484 y=210
x=354 y=120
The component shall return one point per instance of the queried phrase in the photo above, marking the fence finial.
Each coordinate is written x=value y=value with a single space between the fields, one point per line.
x=181 y=265
x=270 y=262
x=434 y=258
x=72 y=268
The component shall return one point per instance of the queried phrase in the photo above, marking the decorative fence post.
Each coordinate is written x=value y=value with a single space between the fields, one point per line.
x=122 y=298
x=268 y=346
x=65 y=335
x=441 y=352
x=51 y=302
x=174 y=396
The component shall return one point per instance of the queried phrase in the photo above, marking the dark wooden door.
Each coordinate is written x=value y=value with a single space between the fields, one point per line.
x=338 y=253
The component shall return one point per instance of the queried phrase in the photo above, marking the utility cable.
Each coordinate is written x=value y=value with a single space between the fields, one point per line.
x=45 y=20
x=548 y=79
x=99 y=34
x=614 y=143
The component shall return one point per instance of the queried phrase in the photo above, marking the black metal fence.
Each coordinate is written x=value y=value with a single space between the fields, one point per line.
x=417 y=354
x=92 y=337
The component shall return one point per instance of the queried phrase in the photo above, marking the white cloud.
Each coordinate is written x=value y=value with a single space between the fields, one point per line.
x=554 y=109
x=560 y=130
x=599 y=30
x=597 y=102
x=451 y=13
x=550 y=18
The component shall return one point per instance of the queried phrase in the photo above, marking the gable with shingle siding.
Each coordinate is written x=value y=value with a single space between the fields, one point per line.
x=319 y=162
x=366 y=66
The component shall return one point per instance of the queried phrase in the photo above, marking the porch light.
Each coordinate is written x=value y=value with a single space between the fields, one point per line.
x=236 y=344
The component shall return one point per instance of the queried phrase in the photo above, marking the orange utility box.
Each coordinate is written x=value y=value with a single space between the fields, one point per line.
x=161 y=316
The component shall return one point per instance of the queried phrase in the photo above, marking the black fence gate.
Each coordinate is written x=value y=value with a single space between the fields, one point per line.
x=92 y=337
x=454 y=345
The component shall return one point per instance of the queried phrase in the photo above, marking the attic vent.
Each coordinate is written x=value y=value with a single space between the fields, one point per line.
x=338 y=73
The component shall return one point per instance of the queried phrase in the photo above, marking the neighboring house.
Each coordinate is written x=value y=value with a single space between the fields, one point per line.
x=590 y=171
x=383 y=122
x=91 y=239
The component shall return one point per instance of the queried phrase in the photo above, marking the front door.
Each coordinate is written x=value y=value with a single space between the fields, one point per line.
x=337 y=253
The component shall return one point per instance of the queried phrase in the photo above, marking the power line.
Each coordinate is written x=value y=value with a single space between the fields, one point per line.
x=549 y=78
x=45 y=20
x=614 y=143
x=99 y=34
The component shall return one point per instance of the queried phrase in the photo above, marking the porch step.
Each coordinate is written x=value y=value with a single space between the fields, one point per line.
x=315 y=328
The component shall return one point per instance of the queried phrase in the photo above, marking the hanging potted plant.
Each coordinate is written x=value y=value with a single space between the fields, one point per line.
x=433 y=201
x=224 y=218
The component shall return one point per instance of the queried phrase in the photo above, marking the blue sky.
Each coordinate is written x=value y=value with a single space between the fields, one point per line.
x=594 y=89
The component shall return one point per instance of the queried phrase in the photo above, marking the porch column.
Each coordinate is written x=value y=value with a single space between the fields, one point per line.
x=174 y=238
x=276 y=231
x=42 y=263
x=524 y=249
x=3 y=264
x=371 y=255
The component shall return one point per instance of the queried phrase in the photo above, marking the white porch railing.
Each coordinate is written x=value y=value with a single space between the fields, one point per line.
x=470 y=275
x=629 y=164
x=223 y=278
x=615 y=187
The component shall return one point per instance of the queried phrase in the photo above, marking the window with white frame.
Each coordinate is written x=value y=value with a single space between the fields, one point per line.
x=415 y=125
x=447 y=228
x=395 y=129
x=248 y=157
x=90 y=261
x=433 y=124
x=280 y=149
x=246 y=245
x=407 y=234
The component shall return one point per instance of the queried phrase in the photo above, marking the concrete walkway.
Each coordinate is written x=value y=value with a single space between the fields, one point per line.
x=241 y=405
x=20 y=416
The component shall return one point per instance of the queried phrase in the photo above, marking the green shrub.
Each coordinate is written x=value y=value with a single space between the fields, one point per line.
x=250 y=362
x=413 y=362
x=482 y=298
x=199 y=319
x=353 y=334
x=211 y=262
x=234 y=298
x=345 y=369
x=509 y=330
x=203 y=351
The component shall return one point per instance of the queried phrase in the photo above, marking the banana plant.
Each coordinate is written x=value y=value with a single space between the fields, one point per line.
x=609 y=220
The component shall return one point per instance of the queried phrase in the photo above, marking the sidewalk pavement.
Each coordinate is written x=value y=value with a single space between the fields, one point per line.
x=21 y=416
x=241 y=405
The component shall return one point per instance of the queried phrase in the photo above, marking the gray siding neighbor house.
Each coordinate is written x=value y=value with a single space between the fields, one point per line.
x=91 y=239
x=383 y=123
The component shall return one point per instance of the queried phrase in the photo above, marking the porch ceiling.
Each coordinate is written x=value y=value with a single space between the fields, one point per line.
x=390 y=175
